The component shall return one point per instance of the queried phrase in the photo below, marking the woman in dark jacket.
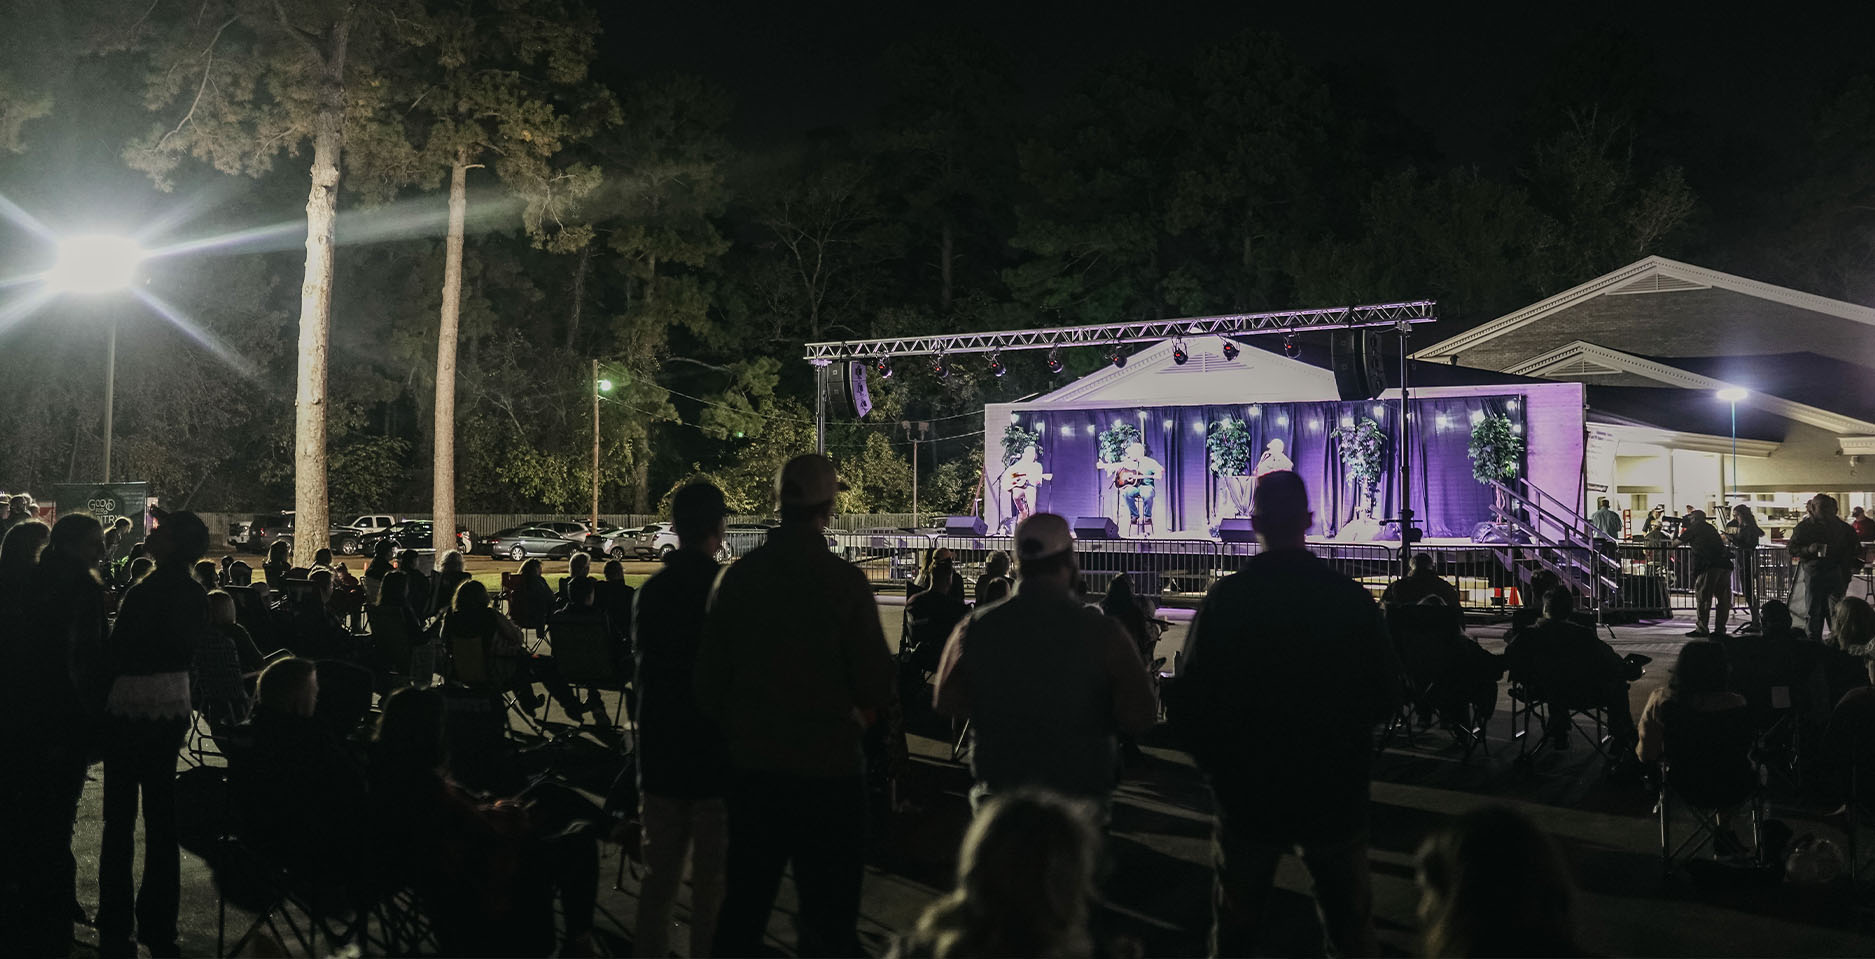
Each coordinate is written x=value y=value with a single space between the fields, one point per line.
x=278 y=565
x=1744 y=535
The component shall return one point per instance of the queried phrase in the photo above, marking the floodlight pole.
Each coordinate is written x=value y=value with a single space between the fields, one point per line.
x=110 y=390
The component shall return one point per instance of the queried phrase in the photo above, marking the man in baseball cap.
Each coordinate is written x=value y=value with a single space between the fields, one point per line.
x=793 y=656
x=1045 y=681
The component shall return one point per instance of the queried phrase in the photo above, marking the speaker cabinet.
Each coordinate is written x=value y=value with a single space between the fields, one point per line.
x=1358 y=363
x=1095 y=527
x=1236 y=529
x=964 y=526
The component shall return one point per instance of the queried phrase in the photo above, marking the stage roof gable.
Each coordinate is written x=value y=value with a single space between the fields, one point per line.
x=1654 y=274
x=1151 y=378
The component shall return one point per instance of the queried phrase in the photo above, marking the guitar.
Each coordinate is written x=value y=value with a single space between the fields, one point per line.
x=1021 y=481
x=1126 y=477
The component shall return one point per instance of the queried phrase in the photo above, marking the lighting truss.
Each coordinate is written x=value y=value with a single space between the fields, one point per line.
x=1387 y=315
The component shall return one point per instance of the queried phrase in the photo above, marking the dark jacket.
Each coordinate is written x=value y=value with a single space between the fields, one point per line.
x=1841 y=550
x=54 y=647
x=1564 y=661
x=792 y=653
x=157 y=624
x=1708 y=547
x=1287 y=644
x=680 y=752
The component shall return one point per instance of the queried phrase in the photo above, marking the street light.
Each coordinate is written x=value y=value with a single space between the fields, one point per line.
x=1733 y=395
x=98 y=264
x=601 y=385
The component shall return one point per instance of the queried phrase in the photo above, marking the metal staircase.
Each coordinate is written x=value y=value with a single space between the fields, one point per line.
x=1554 y=537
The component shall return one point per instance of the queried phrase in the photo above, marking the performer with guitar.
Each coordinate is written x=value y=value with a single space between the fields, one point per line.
x=1136 y=476
x=1023 y=481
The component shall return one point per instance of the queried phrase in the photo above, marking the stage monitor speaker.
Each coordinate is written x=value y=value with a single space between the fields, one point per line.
x=1095 y=527
x=1359 y=365
x=1236 y=529
x=964 y=526
x=1498 y=533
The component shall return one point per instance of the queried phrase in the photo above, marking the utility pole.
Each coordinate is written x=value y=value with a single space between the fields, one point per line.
x=110 y=395
x=922 y=429
x=597 y=388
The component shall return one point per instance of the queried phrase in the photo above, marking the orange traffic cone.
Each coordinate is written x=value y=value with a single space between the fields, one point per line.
x=1516 y=599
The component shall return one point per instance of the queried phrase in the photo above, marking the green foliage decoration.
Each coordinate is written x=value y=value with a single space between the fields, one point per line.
x=1016 y=438
x=1362 y=448
x=1496 y=449
x=1113 y=442
x=1229 y=443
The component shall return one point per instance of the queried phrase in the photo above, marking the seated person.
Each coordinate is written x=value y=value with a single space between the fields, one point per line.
x=532 y=602
x=487 y=871
x=1526 y=615
x=301 y=794
x=240 y=574
x=993 y=589
x=1849 y=742
x=205 y=574
x=418 y=590
x=1452 y=675
x=1704 y=732
x=930 y=615
x=1422 y=582
x=315 y=633
x=583 y=607
x=395 y=631
x=381 y=565
x=225 y=659
x=1566 y=665
x=615 y=597
x=1699 y=683
x=578 y=567
x=449 y=577
x=1780 y=656
x=473 y=620
x=939 y=572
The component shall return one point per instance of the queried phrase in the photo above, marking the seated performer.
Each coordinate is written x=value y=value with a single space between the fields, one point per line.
x=1022 y=481
x=1136 y=476
x=1273 y=459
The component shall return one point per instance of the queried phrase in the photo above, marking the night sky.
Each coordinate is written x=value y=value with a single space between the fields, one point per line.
x=1726 y=92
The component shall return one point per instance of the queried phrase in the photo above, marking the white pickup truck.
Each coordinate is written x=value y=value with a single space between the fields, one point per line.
x=346 y=535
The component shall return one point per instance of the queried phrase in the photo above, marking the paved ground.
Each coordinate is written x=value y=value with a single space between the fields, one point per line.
x=1158 y=887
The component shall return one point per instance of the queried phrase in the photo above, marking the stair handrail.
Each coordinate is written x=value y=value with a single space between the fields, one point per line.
x=1572 y=525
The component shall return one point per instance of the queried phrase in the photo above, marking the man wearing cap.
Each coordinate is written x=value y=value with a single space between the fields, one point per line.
x=793 y=659
x=1045 y=681
x=1712 y=572
x=1287 y=670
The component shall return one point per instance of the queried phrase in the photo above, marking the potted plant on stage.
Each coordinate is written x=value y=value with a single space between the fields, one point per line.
x=1229 y=444
x=1496 y=451
x=1016 y=438
x=1362 y=448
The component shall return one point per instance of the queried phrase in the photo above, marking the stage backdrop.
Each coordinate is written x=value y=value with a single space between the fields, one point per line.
x=1448 y=501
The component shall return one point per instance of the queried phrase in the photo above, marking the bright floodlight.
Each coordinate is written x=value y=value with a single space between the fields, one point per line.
x=89 y=265
x=605 y=386
x=1731 y=394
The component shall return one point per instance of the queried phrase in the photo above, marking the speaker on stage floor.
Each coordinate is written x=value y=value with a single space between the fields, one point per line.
x=1497 y=533
x=1095 y=527
x=964 y=526
x=1236 y=529
x=1359 y=364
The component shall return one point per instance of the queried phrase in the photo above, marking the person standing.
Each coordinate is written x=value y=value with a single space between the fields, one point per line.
x=1045 y=681
x=147 y=714
x=1864 y=526
x=683 y=771
x=1829 y=554
x=1023 y=482
x=793 y=658
x=1605 y=520
x=1744 y=534
x=1287 y=644
x=1712 y=573
x=51 y=703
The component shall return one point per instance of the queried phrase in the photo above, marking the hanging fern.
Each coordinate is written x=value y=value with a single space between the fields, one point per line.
x=1113 y=442
x=1496 y=449
x=1229 y=443
x=1362 y=448
x=1015 y=439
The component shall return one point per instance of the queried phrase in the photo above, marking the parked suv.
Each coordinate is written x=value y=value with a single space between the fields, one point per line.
x=259 y=533
x=415 y=534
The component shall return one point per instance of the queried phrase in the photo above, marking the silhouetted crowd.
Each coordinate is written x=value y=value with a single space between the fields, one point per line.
x=768 y=728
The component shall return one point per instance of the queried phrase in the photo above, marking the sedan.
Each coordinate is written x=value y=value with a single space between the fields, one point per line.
x=608 y=541
x=520 y=542
x=415 y=534
x=573 y=532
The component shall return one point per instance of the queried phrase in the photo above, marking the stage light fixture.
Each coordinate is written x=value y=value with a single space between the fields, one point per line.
x=996 y=364
x=1291 y=348
x=1054 y=360
x=883 y=366
x=1179 y=356
x=1116 y=356
x=940 y=367
x=1230 y=350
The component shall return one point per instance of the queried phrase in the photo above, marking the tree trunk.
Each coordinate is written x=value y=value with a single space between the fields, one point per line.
x=443 y=489
x=945 y=255
x=315 y=310
x=641 y=476
x=579 y=292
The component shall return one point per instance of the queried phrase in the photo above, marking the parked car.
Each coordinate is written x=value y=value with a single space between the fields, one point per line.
x=259 y=533
x=520 y=542
x=602 y=542
x=415 y=534
x=655 y=541
x=574 y=532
